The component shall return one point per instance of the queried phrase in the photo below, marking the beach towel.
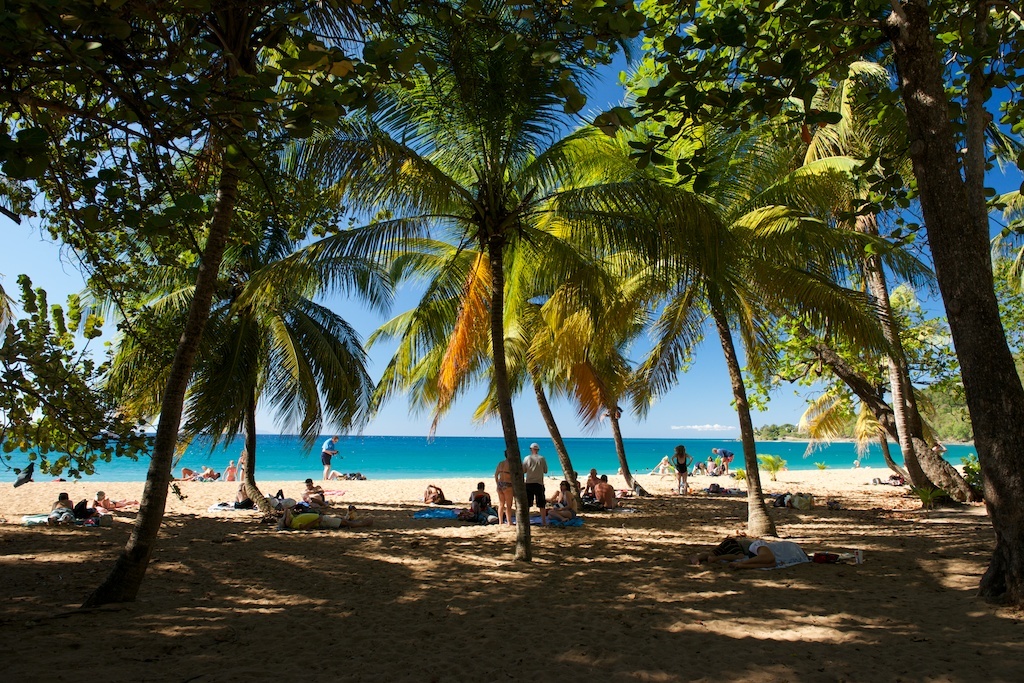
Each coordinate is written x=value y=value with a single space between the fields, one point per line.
x=224 y=507
x=575 y=521
x=436 y=513
x=35 y=520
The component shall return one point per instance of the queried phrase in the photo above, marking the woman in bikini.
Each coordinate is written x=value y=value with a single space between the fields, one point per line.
x=563 y=504
x=503 y=480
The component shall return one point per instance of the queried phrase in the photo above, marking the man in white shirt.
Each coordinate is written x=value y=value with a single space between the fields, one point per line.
x=535 y=467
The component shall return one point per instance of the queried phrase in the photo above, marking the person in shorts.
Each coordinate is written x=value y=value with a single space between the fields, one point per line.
x=535 y=467
x=327 y=452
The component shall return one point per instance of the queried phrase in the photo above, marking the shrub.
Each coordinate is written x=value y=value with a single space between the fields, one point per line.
x=972 y=471
x=927 y=495
x=740 y=473
x=821 y=465
x=772 y=464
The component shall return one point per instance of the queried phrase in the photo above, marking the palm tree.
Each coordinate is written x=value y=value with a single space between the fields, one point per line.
x=266 y=339
x=852 y=138
x=746 y=241
x=464 y=152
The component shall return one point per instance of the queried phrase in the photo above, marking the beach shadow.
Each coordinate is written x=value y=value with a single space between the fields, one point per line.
x=614 y=599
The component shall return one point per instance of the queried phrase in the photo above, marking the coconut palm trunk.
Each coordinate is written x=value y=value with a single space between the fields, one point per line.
x=926 y=468
x=883 y=443
x=620 y=451
x=759 y=522
x=495 y=253
x=556 y=437
x=123 y=582
x=249 y=479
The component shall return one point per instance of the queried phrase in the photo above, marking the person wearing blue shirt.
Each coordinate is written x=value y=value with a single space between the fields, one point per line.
x=326 y=453
x=727 y=458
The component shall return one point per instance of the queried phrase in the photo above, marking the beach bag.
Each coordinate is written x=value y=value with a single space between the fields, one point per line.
x=802 y=501
x=825 y=558
x=82 y=511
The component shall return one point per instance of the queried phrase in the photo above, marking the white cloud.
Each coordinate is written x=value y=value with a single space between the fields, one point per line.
x=706 y=428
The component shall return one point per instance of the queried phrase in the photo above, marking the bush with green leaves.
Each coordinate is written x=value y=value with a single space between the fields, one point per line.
x=928 y=495
x=972 y=471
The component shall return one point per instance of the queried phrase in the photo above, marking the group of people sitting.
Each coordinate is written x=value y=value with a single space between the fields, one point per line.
x=65 y=513
x=598 y=493
x=311 y=512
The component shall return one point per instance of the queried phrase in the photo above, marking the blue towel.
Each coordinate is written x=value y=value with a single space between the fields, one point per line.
x=436 y=513
x=575 y=521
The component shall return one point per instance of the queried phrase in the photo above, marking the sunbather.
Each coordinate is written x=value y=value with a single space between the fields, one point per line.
x=104 y=504
x=435 y=495
x=314 y=495
x=743 y=552
x=298 y=520
x=62 y=512
x=563 y=503
x=605 y=494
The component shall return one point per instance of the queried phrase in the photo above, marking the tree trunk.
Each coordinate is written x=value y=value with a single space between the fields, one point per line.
x=883 y=443
x=503 y=395
x=556 y=437
x=958 y=233
x=759 y=521
x=249 y=478
x=909 y=426
x=124 y=580
x=620 y=451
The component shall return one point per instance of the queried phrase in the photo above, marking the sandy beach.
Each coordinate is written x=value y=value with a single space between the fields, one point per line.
x=227 y=598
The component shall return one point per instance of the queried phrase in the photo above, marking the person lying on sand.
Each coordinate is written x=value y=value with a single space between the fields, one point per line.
x=62 y=512
x=743 y=552
x=435 y=496
x=104 y=504
x=299 y=521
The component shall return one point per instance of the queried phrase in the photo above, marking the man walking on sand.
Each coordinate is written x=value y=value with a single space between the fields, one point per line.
x=535 y=467
x=326 y=453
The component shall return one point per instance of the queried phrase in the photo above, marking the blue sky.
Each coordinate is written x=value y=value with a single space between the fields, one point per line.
x=700 y=407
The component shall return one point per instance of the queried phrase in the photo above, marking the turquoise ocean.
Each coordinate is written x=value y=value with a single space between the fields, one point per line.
x=405 y=457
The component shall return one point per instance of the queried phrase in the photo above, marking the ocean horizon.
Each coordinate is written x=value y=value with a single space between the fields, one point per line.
x=285 y=457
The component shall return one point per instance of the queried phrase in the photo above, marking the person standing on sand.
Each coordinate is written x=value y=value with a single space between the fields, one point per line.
x=230 y=472
x=503 y=480
x=327 y=452
x=535 y=467
x=681 y=460
x=243 y=462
